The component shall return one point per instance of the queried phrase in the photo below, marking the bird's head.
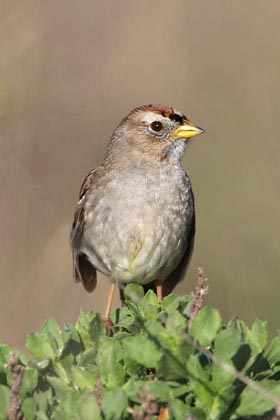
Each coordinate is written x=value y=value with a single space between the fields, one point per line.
x=153 y=133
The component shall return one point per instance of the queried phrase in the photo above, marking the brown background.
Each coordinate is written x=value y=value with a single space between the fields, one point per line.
x=69 y=71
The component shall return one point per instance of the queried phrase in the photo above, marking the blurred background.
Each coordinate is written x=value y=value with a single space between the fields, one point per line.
x=69 y=71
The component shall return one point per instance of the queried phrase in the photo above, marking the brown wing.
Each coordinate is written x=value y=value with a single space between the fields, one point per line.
x=79 y=217
x=83 y=270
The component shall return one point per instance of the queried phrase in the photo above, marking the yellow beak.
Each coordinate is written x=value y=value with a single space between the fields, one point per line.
x=187 y=130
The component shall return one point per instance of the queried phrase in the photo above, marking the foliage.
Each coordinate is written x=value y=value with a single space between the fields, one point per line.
x=151 y=360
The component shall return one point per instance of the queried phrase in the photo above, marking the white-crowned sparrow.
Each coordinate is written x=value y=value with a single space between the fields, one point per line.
x=135 y=218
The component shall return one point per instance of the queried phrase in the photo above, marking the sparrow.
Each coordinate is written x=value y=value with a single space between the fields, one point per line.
x=135 y=218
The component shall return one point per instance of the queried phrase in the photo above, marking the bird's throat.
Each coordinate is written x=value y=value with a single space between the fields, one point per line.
x=174 y=151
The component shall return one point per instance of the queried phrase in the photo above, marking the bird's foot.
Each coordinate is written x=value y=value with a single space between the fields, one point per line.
x=108 y=325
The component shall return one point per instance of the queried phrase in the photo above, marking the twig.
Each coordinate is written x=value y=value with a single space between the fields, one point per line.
x=97 y=392
x=200 y=291
x=147 y=408
x=17 y=370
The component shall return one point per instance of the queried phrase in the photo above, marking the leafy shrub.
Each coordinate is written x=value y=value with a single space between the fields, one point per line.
x=152 y=366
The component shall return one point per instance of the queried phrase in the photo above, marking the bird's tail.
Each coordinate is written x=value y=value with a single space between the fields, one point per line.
x=84 y=271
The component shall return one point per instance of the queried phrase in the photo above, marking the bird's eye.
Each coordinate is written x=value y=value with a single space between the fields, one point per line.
x=156 y=126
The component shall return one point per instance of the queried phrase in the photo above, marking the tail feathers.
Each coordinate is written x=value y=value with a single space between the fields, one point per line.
x=85 y=272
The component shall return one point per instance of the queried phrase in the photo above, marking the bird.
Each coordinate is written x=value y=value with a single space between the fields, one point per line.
x=135 y=217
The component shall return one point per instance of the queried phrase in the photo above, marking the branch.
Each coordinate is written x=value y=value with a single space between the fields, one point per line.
x=17 y=370
x=200 y=291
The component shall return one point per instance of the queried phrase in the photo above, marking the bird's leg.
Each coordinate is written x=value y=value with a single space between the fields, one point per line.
x=159 y=290
x=107 y=321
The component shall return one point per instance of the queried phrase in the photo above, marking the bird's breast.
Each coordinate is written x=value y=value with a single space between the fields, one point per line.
x=139 y=226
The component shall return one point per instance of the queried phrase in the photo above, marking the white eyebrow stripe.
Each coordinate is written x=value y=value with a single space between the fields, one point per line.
x=153 y=116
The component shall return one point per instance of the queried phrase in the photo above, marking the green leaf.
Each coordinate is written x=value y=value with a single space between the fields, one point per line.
x=41 y=416
x=4 y=400
x=88 y=408
x=63 y=368
x=240 y=326
x=108 y=363
x=82 y=378
x=120 y=335
x=176 y=320
x=54 y=331
x=71 y=341
x=173 y=347
x=47 y=343
x=21 y=356
x=273 y=353
x=133 y=368
x=77 y=406
x=60 y=387
x=72 y=348
x=206 y=325
x=227 y=343
x=178 y=410
x=253 y=403
x=134 y=389
x=43 y=400
x=197 y=414
x=87 y=358
x=257 y=336
x=151 y=299
x=199 y=378
x=5 y=354
x=220 y=406
x=90 y=327
x=172 y=365
x=142 y=350
x=160 y=390
x=123 y=318
x=29 y=383
x=178 y=390
x=114 y=404
x=133 y=292
x=29 y=408
x=142 y=308
x=171 y=303
x=67 y=407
